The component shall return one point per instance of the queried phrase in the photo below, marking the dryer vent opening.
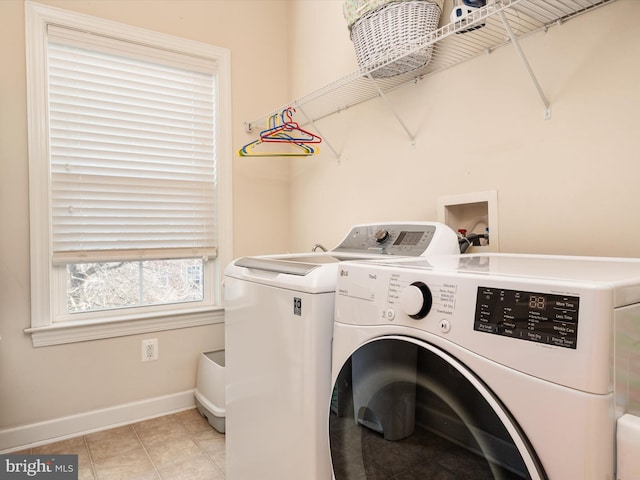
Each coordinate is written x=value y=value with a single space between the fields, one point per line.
x=403 y=409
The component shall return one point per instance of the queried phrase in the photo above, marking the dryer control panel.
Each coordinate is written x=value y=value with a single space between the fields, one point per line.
x=536 y=317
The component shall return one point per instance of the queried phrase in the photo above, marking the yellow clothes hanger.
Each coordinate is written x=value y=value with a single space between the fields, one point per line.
x=299 y=150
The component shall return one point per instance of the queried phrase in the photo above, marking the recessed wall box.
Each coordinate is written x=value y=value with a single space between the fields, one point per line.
x=475 y=213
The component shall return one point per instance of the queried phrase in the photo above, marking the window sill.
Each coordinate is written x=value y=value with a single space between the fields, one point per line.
x=81 y=331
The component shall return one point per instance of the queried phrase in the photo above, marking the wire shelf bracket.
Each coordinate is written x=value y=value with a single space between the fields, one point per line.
x=527 y=66
x=387 y=102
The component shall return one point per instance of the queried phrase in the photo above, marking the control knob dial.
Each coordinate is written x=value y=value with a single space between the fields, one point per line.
x=382 y=235
x=416 y=300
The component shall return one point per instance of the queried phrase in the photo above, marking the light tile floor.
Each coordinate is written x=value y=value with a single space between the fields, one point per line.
x=173 y=447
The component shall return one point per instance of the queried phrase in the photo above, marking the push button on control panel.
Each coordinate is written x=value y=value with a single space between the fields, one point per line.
x=445 y=325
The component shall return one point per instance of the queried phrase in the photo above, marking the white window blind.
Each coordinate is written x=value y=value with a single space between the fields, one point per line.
x=132 y=142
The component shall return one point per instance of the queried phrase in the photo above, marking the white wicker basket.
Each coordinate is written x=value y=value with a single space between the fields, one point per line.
x=391 y=31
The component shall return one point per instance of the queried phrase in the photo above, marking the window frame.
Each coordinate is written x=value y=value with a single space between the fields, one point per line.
x=48 y=327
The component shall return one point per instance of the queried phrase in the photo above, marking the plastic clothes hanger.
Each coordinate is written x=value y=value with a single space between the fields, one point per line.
x=289 y=131
x=272 y=125
x=299 y=150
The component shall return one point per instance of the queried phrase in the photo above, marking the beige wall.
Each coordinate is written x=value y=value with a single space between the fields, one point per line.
x=51 y=382
x=567 y=185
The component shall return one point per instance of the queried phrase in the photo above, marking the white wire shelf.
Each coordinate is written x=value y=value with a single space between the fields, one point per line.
x=500 y=19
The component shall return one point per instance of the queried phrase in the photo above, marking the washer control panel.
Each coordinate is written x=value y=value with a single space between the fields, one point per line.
x=533 y=316
x=404 y=239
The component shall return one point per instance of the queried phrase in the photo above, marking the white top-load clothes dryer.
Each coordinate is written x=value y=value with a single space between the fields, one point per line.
x=278 y=331
x=487 y=366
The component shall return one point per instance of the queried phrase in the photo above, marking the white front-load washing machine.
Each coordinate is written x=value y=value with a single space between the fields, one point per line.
x=278 y=329
x=482 y=366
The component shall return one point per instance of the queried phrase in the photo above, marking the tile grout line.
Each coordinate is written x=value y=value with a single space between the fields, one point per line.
x=146 y=452
x=94 y=472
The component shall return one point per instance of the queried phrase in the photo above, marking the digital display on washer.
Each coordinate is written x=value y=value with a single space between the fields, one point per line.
x=535 y=317
x=408 y=238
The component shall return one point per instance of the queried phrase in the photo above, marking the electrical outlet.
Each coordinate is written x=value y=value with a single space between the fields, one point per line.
x=149 y=349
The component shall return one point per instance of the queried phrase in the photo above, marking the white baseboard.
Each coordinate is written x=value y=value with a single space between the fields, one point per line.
x=35 y=434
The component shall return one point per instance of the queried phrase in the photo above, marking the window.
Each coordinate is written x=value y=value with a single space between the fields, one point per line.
x=130 y=208
x=113 y=285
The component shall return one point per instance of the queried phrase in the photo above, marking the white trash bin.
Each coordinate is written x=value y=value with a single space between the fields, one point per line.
x=210 y=385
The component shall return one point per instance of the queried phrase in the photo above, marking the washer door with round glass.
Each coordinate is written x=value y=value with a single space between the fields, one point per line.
x=404 y=409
